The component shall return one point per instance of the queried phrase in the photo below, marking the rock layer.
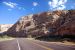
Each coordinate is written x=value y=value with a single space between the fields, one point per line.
x=58 y=22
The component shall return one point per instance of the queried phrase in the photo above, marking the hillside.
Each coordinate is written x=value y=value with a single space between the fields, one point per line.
x=60 y=22
x=4 y=27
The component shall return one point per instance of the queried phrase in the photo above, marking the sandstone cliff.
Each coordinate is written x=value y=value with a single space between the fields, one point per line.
x=4 y=27
x=58 y=22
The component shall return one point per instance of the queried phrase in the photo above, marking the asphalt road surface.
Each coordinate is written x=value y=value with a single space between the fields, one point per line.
x=25 y=44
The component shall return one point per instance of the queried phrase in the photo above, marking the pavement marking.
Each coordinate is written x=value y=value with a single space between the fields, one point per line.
x=43 y=46
x=62 y=45
x=56 y=44
x=65 y=46
x=47 y=48
x=19 y=48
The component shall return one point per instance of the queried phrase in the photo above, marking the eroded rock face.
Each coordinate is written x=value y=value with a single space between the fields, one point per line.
x=46 y=23
x=21 y=27
x=68 y=28
x=4 y=27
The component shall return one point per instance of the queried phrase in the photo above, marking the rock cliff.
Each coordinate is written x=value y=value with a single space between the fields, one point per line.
x=58 y=22
x=4 y=27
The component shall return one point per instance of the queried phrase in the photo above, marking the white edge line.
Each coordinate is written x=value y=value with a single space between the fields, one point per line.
x=19 y=48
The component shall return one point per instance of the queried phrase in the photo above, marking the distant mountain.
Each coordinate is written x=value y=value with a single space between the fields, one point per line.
x=4 y=27
x=60 y=22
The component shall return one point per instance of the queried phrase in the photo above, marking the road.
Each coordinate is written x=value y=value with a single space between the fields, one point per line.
x=25 y=44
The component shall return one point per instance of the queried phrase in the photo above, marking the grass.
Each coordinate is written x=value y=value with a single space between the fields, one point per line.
x=5 y=37
x=58 y=40
x=68 y=43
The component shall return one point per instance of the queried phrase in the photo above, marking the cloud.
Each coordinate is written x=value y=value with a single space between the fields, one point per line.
x=21 y=8
x=57 y=4
x=32 y=9
x=9 y=9
x=13 y=5
x=10 y=4
x=61 y=8
x=35 y=3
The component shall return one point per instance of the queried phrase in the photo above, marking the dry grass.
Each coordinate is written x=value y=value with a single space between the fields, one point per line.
x=68 y=43
x=64 y=43
x=5 y=37
x=30 y=38
x=59 y=43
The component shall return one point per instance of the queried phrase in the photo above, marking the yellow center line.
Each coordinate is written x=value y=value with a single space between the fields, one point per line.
x=43 y=46
x=47 y=48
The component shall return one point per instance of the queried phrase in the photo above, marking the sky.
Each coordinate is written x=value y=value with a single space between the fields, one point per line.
x=12 y=10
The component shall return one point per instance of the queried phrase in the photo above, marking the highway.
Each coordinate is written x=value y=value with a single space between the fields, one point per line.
x=26 y=44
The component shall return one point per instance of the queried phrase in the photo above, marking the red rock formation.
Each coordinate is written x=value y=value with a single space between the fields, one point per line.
x=68 y=28
x=56 y=23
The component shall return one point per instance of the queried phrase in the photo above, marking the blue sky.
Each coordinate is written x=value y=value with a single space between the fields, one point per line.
x=12 y=10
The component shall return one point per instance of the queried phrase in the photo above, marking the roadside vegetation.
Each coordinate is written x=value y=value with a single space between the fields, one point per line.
x=57 y=38
x=63 y=40
x=5 y=37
